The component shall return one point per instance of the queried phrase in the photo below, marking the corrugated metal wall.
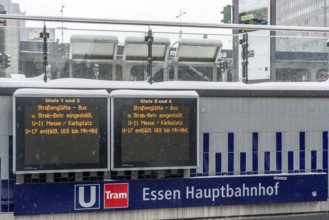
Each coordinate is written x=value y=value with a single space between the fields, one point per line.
x=263 y=135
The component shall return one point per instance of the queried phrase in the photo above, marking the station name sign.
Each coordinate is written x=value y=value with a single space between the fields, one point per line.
x=169 y=193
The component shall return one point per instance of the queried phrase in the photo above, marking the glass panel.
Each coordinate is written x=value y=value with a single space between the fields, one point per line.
x=120 y=52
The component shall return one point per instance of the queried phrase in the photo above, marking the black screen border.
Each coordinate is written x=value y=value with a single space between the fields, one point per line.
x=20 y=166
x=116 y=163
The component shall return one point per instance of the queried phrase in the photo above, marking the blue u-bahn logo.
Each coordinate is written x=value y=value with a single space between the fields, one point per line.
x=86 y=196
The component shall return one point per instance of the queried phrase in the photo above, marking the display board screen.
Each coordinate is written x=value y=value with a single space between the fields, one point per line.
x=257 y=17
x=54 y=133
x=154 y=132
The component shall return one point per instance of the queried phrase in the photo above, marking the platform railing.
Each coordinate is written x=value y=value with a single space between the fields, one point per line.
x=271 y=53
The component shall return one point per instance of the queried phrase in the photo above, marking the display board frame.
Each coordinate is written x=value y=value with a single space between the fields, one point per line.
x=130 y=97
x=98 y=101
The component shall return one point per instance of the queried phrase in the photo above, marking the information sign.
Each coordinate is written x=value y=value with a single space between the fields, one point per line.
x=154 y=129
x=60 y=131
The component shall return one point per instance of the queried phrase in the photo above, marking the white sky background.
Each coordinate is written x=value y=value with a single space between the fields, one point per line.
x=204 y=11
x=200 y=11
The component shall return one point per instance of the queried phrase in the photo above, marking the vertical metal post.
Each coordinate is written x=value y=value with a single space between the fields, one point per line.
x=273 y=41
x=45 y=36
x=62 y=11
x=235 y=42
x=2 y=41
x=181 y=13
x=149 y=40
x=245 y=45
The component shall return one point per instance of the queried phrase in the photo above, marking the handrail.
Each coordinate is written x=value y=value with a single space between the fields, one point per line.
x=162 y=23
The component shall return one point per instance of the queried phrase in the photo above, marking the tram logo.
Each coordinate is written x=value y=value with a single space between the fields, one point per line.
x=86 y=196
x=116 y=195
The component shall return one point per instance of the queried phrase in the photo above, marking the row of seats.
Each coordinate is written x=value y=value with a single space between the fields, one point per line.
x=103 y=49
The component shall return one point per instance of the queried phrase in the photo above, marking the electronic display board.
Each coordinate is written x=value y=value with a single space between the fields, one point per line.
x=154 y=129
x=60 y=130
x=256 y=17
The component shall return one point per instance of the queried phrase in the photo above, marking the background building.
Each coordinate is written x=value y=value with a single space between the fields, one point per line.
x=310 y=13
x=10 y=38
x=295 y=55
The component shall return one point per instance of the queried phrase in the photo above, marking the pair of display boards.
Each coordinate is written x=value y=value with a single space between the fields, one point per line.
x=91 y=130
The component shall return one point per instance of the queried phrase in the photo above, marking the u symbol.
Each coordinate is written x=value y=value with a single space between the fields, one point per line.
x=92 y=197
